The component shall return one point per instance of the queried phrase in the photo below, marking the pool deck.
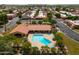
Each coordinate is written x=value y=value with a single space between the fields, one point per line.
x=38 y=44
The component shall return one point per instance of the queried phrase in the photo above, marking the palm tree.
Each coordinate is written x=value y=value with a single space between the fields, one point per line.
x=36 y=14
x=45 y=50
x=35 y=51
x=17 y=45
x=49 y=18
x=53 y=51
x=49 y=15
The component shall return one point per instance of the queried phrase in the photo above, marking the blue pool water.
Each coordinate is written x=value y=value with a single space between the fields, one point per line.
x=40 y=38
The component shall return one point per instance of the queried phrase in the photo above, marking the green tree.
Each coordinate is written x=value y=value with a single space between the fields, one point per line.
x=17 y=45
x=52 y=21
x=59 y=43
x=40 y=22
x=53 y=51
x=45 y=50
x=10 y=10
x=64 y=8
x=19 y=14
x=57 y=15
x=18 y=22
x=33 y=22
x=49 y=15
x=35 y=51
x=5 y=43
x=37 y=12
x=4 y=19
x=73 y=17
x=59 y=40
x=49 y=18
x=57 y=9
x=26 y=48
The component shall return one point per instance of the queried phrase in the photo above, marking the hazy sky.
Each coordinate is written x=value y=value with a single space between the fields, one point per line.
x=39 y=1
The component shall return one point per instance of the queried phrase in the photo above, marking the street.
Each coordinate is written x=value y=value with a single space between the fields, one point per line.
x=69 y=32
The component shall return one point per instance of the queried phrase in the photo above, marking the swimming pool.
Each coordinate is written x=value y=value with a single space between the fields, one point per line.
x=40 y=38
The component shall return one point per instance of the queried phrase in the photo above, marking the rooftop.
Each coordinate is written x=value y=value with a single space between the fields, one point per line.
x=24 y=28
x=76 y=22
x=41 y=15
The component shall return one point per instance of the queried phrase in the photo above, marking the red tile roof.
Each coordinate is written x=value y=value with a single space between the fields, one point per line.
x=39 y=27
x=23 y=28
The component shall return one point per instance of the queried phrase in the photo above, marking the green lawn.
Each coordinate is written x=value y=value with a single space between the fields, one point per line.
x=72 y=45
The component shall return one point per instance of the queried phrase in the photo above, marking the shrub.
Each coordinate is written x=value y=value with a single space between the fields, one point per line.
x=1 y=26
x=18 y=22
x=40 y=22
x=1 y=23
x=57 y=15
x=72 y=17
x=52 y=21
x=33 y=22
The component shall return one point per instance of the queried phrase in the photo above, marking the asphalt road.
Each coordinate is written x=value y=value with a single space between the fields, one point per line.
x=10 y=24
x=69 y=32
